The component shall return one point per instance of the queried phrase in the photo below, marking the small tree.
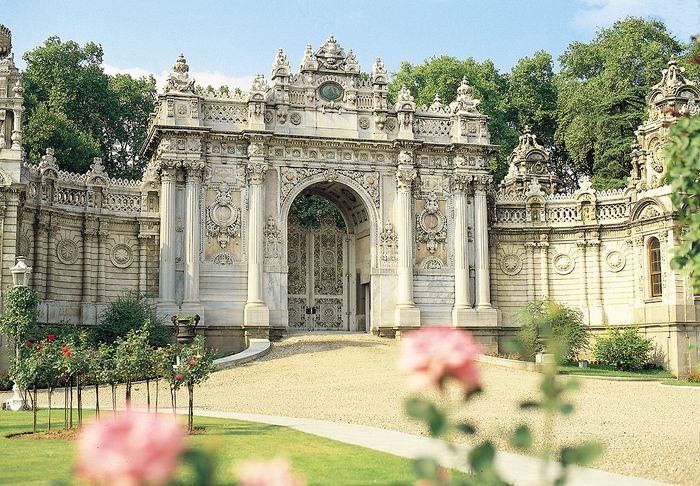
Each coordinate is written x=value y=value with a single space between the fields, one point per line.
x=196 y=364
x=542 y=319
x=162 y=360
x=30 y=371
x=18 y=322
x=131 y=358
x=106 y=371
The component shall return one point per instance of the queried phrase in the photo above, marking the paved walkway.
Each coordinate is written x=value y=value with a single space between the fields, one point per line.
x=518 y=469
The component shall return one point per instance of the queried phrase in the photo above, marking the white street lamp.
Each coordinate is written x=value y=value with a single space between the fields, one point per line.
x=20 y=278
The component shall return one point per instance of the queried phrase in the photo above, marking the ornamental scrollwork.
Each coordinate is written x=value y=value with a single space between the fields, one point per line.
x=256 y=172
x=223 y=218
x=431 y=224
x=273 y=239
x=388 y=241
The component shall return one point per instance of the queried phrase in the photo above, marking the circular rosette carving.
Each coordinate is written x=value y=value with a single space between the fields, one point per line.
x=563 y=264
x=364 y=123
x=511 y=264
x=67 y=251
x=295 y=118
x=615 y=260
x=122 y=256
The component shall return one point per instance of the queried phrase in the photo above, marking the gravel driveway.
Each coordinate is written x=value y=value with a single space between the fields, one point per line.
x=647 y=430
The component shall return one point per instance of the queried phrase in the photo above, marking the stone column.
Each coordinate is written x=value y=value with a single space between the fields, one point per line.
x=143 y=259
x=583 y=279
x=596 y=313
x=462 y=307
x=530 y=252
x=256 y=314
x=406 y=314
x=483 y=294
x=89 y=233
x=544 y=268
x=166 y=280
x=193 y=236
x=102 y=235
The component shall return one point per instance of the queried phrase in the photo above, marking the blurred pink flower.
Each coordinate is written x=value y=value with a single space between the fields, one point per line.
x=433 y=354
x=271 y=473
x=134 y=449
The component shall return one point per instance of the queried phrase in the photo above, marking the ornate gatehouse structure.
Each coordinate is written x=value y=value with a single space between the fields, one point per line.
x=427 y=239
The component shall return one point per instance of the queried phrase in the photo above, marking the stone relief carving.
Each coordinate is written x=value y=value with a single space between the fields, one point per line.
x=615 y=260
x=273 y=239
x=223 y=258
x=511 y=264
x=431 y=224
x=431 y=263
x=67 y=251
x=179 y=79
x=223 y=218
x=563 y=264
x=388 y=242
x=295 y=118
x=122 y=256
x=293 y=176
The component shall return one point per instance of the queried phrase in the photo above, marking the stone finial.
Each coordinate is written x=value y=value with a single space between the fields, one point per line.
x=331 y=55
x=351 y=64
x=48 y=162
x=179 y=79
x=379 y=75
x=5 y=42
x=584 y=184
x=309 y=62
x=259 y=84
x=405 y=95
x=281 y=68
x=465 y=100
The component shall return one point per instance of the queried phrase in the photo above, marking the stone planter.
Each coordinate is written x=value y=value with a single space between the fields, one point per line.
x=185 y=328
x=583 y=363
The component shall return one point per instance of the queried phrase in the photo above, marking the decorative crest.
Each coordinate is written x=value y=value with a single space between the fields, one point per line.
x=179 y=79
x=5 y=42
x=331 y=55
x=259 y=84
x=379 y=72
x=309 y=63
x=48 y=162
x=404 y=95
x=351 y=64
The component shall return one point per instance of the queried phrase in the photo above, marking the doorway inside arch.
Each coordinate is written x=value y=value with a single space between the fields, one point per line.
x=328 y=281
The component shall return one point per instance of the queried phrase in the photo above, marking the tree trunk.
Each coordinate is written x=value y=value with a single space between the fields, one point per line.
x=157 y=386
x=128 y=394
x=114 y=399
x=71 y=402
x=49 y=393
x=97 y=401
x=65 y=405
x=80 y=401
x=34 y=407
x=190 y=409
x=148 y=395
x=173 y=399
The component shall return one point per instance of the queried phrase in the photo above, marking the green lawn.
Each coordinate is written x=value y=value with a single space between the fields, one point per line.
x=602 y=370
x=680 y=383
x=320 y=461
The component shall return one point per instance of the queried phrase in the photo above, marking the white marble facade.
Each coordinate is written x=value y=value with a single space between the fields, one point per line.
x=429 y=240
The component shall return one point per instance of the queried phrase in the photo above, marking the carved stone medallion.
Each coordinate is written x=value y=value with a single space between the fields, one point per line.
x=511 y=264
x=122 y=256
x=223 y=218
x=295 y=118
x=563 y=264
x=615 y=260
x=431 y=224
x=67 y=251
x=364 y=123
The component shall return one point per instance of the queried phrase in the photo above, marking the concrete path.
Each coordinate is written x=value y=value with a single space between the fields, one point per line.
x=518 y=469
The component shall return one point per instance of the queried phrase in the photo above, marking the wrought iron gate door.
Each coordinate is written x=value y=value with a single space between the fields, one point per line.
x=317 y=259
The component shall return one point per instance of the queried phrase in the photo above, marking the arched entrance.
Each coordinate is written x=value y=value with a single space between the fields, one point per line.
x=328 y=259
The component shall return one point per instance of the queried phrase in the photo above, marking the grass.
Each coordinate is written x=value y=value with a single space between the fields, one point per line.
x=320 y=461
x=680 y=383
x=603 y=370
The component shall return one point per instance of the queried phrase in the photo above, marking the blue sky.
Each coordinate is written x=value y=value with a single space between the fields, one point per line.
x=227 y=42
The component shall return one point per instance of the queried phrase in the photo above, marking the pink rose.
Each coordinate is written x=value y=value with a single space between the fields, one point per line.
x=132 y=450
x=433 y=354
x=270 y=473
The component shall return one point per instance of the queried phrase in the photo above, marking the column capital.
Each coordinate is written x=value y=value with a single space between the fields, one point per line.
x=405 y=175
x=255 y=171
x=481 y=182
x=461 y=181
x=194 y=169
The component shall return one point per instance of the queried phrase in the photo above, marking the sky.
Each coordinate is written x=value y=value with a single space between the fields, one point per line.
x=228 y=42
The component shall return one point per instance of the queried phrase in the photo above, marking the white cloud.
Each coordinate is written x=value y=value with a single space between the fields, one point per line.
x=682 y=17
x=203 y=78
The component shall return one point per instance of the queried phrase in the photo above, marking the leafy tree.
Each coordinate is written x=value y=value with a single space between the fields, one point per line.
x=131 y=357
x=311 y=209
x=442 y=76
x=73 y=106
x=129 y=312
x=196 y=364
x=602 y=87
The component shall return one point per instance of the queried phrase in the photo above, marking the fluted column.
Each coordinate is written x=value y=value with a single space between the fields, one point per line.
x=544 y=269
x=462 y=305
x=583 y=279
x=483 y=294
x=256 y=314
x=166 y=281
x=407 y=313
x=192 y=235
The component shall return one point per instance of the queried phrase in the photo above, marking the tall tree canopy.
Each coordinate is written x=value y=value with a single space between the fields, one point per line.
x=74 y=107
x=602 y=88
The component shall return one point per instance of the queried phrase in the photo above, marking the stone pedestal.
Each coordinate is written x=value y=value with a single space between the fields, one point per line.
x=16 y=403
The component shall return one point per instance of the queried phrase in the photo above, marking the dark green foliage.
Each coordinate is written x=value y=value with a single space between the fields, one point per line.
x=130 y=312
x=602 y=87
x=625 y=349
x=542 y=319
x=5 y=381
x=311 y=209
x=18 y=320
x=74 y=107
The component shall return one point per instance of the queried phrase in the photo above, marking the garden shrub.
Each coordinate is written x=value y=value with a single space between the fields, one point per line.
x=129 y=312
x=5 y=381
x=694 y=377
x=542 y=319
x=623 y=349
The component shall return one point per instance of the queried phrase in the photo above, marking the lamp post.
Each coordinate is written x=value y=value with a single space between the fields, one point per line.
x=20 y=278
